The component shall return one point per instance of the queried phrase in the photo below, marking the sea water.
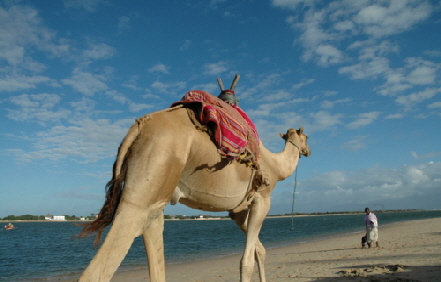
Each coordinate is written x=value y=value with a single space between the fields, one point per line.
x=39 y=251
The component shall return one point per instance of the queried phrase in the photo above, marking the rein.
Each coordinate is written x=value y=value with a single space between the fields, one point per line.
x=293 y=200
x=295 y=186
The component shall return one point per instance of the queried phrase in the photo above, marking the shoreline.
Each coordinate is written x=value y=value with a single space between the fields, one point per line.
x=409 y=250
x=227 y=218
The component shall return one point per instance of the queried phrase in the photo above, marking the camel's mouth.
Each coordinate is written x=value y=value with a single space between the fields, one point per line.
x=306 y=152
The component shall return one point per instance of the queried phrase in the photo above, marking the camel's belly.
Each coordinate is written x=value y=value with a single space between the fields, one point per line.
x=210 y=182
x=213 y=194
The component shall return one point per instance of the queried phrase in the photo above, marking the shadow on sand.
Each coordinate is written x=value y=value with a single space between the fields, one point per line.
x=386 y=273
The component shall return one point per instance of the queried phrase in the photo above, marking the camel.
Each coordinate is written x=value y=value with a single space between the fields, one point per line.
x=165 y=158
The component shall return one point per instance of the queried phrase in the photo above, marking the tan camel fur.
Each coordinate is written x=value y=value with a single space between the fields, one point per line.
x=164 y=156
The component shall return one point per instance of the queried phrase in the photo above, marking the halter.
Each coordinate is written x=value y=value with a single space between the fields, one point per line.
x=300 y=155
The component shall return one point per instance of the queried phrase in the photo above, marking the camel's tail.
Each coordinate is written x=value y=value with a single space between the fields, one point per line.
x=114 y=187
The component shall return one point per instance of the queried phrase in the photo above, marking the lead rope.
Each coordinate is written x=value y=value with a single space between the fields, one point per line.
x=293 y=200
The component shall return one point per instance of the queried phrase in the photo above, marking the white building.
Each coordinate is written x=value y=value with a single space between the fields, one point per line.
x=54 y=217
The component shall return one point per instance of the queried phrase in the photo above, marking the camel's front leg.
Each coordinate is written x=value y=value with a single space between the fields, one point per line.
x=260 y=258
x=125 y=228
x=154 y=246
x=253 y=248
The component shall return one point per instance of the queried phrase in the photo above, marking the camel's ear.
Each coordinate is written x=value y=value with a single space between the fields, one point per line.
x=283 y=136
x=301 y=130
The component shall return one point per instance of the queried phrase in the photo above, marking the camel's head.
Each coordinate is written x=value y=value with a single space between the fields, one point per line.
x=298 y=139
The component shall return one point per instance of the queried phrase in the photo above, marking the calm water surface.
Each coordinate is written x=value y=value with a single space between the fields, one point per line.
x=36 y=250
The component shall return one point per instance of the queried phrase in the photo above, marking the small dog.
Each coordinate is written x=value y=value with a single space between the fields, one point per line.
x=363 y=242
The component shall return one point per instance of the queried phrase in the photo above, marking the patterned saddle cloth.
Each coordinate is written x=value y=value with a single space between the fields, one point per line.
x=235 y=134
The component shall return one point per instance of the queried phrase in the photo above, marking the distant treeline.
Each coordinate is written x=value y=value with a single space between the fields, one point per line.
x=42 y=217
x=353 y=212
x=92 y=216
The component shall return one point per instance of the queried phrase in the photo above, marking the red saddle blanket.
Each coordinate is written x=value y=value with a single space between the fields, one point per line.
x=235 y=132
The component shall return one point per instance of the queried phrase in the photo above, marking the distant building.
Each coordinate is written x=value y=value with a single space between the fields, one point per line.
x=54 y=217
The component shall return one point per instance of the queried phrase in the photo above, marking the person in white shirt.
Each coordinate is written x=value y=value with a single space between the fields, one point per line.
x=371 y=228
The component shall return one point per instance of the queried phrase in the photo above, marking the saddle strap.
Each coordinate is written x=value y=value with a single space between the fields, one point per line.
x=249 y=196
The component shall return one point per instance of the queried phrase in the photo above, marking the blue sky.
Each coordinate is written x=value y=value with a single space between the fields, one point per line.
x=361 y=77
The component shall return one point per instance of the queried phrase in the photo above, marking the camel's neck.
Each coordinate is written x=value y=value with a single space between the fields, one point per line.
x=285 y=162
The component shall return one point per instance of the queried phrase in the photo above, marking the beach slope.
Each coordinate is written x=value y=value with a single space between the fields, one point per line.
x=410 y=251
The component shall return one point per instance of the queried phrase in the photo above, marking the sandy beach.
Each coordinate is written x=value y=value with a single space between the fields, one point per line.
x=409 y=251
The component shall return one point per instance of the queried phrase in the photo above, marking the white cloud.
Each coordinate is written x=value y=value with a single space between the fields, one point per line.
x=415 y=155
x=396 y=83
x=393 y=18
x=277 y=95
x=330 y=104
x=88 y=5
x=355 y=144
x=99 y=51
x=17 y=82
x=433 y=53
x=395 y=116
x=367 y=69
x=292 y=4
x=313 y=34
x=118 y=97
x=185 y=46
x=434 y=105
x=215 y=68
x=85 y=105
x=303 y=83
x=363 y=119
x=370 y=49
x=84 y=140
x=422 y=76
x=21 y=29
x=86 y=83
x=344 y=25
x=123 y=24
x=416 y=71
x=411 y=186
x=266 y=109
x=172 y=88
x=37 y=108
x=136 y=107
x=262 y=85
x=328 y=54
x=212 y=88
x=122 y=99
x=421 y=72
x=160 y=68
x=325 y=29
x=324 y=121
x=132 y=83
x=418 y=97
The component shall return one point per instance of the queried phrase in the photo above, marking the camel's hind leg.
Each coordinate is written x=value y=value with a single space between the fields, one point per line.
x=149 y=187
x=241 y=220
x=125 y=228
x=154 y=246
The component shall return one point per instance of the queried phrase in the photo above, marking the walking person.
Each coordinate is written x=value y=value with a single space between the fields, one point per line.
x=371 y=228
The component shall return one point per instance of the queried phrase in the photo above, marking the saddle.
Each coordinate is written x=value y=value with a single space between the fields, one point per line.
x=232 y=131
